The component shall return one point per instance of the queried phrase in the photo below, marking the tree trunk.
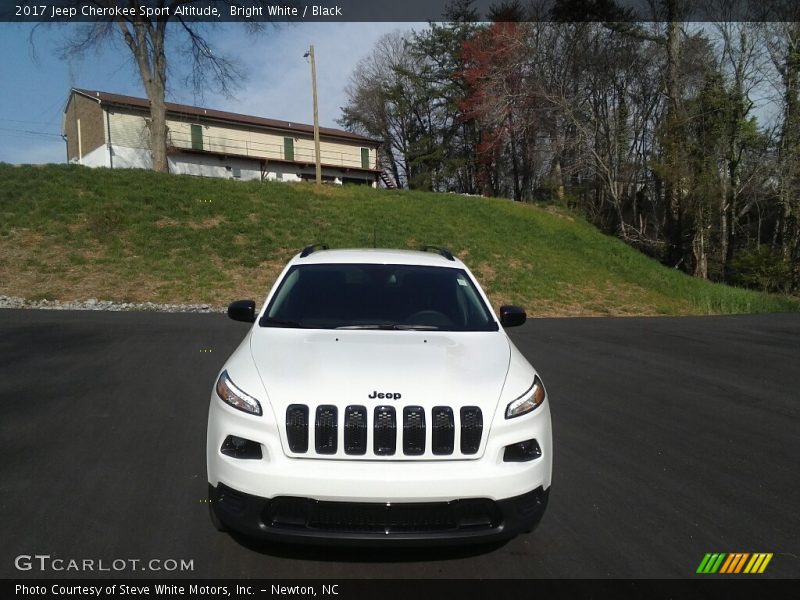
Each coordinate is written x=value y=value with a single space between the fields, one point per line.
x=699 y=247
x=672 y=192
x=723 y=223
x=158 y=133
x=789 y=219
x=146 y=41
x=558 y=180
x=514 y=158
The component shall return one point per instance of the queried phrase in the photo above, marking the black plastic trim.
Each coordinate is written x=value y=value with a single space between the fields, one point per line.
x=249 y=450
x=442 y=438
x=439 y=250
x=326 y=435
x=311 y=248
x=413 y=435
x=247 y=514
x=298 y=440
x=469 y=443
x=355 y=436
x=525 y=451
x=384 y=439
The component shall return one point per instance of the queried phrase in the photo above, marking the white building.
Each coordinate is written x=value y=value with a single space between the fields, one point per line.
x=111 y=130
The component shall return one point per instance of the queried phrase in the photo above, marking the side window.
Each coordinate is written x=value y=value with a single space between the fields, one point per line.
x=197 y=137
x=288 y=148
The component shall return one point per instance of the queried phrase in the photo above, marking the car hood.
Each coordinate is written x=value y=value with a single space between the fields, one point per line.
x=345 y=367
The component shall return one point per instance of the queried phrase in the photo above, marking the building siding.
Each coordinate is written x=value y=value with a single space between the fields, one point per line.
x=256 y=143
x=128 y=129
x=119 y=136
x=90 y=114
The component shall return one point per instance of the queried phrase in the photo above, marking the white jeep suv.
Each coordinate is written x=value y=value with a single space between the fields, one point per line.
x=378 y=399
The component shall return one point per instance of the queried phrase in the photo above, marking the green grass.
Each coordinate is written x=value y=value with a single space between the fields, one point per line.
x=74 y=233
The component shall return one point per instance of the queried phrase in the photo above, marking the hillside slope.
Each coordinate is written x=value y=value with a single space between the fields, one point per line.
x=70 y=233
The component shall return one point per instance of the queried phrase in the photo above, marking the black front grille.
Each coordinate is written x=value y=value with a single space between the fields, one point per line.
x=326 y=429
x=413 y=430
x=443 y=430
x=355 y=430
x=297 y=427
x=471 y=429
x=364 y=517
x=385 y=431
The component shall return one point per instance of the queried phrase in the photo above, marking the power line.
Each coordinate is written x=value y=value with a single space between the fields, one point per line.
x=25 y=121
x=30 y=132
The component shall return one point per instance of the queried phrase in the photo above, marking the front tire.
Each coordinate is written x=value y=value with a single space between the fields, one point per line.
x=215 y=520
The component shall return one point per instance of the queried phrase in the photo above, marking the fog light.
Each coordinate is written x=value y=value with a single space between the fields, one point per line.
x=522 y=451
x=240 y=448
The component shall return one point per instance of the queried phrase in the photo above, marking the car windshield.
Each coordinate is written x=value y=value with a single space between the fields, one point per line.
x=375 y=296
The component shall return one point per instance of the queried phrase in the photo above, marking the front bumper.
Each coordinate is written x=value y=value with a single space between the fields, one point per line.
x=304 y=520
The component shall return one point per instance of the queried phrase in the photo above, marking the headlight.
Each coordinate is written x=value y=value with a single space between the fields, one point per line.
x=528 y=401
x=236 y=397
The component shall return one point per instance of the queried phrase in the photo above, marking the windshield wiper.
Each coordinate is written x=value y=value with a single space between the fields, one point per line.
x=269 y=321
x=369 y=326
x=417 y=327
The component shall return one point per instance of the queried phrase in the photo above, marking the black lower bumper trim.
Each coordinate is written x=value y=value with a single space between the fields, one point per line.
x=304 y=520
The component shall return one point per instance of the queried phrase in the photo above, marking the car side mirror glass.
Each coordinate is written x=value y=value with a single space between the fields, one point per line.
x=512 y=316
x=242 y=310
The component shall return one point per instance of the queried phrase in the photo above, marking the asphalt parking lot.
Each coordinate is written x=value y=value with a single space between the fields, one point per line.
x=673 y=437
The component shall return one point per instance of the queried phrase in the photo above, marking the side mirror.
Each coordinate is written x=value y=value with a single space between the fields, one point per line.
x=242 y=310
x=511 y=316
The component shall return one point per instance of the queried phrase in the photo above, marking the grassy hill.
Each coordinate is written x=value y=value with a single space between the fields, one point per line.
x=71 y=233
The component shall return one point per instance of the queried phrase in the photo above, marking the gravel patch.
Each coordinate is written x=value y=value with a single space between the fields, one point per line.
x=95 y=304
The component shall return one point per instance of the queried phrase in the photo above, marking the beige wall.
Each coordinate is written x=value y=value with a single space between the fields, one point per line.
x=128 y=129
x=92 y=136
x=263 y=144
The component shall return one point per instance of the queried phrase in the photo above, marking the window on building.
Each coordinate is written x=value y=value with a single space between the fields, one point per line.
x=288 y=148
x=365 y=158
x=197 y=137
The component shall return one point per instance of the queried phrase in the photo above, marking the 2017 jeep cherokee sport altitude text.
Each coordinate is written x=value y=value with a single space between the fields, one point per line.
x=378 y=399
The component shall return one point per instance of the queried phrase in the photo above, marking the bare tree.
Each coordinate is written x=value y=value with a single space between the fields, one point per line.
x=783 y=41
x=150 y=40
x=386 y=99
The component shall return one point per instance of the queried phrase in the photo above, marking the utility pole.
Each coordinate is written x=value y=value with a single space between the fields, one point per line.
x=310 y=54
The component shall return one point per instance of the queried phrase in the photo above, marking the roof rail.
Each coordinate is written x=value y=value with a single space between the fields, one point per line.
x=312 y=248
x=439 y=250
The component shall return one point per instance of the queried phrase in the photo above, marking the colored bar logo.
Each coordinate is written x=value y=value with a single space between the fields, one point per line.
x=734 y=563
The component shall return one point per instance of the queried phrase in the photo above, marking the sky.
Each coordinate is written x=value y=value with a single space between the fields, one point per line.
x=36 y=81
